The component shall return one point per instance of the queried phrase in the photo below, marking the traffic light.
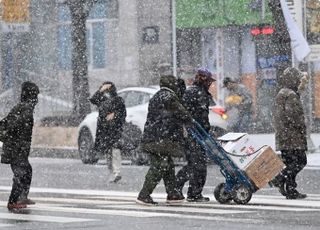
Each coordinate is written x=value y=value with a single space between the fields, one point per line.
x=262 y=31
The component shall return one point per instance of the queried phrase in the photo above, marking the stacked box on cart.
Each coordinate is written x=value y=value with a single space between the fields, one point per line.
x=241 y=148
x=264 y=167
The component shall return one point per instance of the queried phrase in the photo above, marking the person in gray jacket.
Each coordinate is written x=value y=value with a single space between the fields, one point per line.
x=290 y=131
x=240 y=99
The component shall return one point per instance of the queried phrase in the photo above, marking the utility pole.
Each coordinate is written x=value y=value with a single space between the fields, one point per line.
x=174 y=38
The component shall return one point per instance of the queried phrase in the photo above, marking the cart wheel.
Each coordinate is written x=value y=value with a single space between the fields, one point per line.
x=241 y=194
x=221 y=195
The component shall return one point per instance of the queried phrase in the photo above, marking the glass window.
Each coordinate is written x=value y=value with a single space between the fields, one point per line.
x=134 y=98
x=96 y=32
x=98 y=45
x=64 y=47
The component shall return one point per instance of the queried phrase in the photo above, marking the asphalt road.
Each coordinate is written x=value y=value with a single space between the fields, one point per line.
x=71 y=195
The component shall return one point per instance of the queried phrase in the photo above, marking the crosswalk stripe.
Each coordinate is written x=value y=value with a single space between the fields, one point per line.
x=42 y=218
x=211 y=205
x=146 y=213
x=5 y=225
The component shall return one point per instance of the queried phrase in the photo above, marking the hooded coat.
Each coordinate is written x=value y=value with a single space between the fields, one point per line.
x=163 y=130
x=196 y=99
x=288 y=116
x=19 y=124
x=108 y=132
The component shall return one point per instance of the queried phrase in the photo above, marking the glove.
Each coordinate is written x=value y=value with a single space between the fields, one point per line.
x=233 y=100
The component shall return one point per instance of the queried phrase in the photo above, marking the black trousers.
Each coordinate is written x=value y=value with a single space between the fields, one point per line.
x=161 y=167
x=195 y=171
x=295 y=161
x=22 y=176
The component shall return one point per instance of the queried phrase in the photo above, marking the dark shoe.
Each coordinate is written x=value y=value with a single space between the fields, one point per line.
x=282 y=189
x=280 y=185
x=148 y=201
x=198 y=199
x=296 y=196
x=115 y=179
x=179 y=198
x=26 y=202
x=15 y=206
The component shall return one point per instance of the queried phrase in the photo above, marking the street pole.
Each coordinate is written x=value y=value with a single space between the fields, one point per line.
x=311 y=146
x=174 y=38
x=263 y=11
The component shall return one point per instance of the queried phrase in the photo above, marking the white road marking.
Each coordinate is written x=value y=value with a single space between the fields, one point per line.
x=186 y=206
x=148 y=213
x=5 y=225
x=41 y=218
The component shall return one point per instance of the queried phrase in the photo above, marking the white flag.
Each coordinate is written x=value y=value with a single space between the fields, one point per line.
x=300 y=46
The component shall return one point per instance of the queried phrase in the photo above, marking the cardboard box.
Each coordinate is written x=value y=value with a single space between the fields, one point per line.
x=241 y=148
x=264 y=167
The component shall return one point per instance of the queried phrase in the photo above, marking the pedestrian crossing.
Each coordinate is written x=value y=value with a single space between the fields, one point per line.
x=68 y=206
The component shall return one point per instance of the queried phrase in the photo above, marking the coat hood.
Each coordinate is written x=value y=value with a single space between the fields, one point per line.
x=29 y=92
x=169 y=81
x=290 y=78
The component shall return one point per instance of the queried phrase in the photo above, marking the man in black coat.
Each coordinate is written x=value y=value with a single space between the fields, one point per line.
x=196 y=99
x=112 y=114
x=162 y=139
x=16 y=145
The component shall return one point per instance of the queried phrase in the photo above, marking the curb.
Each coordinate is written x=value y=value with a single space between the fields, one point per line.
x=55 y=153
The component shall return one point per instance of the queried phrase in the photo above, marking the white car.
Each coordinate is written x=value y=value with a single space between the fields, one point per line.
x=136 y=101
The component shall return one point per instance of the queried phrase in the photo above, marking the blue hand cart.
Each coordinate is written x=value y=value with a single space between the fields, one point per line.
x=238 y=187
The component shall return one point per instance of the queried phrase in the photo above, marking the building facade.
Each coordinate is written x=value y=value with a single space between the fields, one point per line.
x=128 y=42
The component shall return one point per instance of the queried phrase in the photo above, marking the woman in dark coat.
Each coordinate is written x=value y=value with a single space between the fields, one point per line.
x=16 y=145
x=290 y=132
x=112 y=114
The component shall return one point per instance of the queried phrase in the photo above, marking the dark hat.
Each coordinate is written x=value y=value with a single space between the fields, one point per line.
x=227 y=80
x=170 y=82
x=204 y=72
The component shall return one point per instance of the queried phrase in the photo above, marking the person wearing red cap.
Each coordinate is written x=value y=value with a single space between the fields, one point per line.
x=196 y=99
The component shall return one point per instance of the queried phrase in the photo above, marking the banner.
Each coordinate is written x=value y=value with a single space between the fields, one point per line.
x=300 y=46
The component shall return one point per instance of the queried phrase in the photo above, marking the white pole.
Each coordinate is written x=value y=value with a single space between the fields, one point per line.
x=174 y=38
x=263 y=11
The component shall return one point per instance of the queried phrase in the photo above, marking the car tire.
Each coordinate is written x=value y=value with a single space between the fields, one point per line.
x=85 y=147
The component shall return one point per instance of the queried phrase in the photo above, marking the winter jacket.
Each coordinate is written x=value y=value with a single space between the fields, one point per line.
x=108 y=132
x=196 y=100
x=244 y=106
x=163 y=130
x=19 y=125
x=288 y=115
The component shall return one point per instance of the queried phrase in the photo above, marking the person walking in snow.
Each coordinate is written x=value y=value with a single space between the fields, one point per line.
x=163 y=139
x=196 y=100
x=240 y=101
x=112 y=114
x=18 y=125
x=290 y=131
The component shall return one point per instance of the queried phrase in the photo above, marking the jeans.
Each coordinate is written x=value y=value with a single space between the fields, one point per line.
x=22 y=176
x=114 y=162
x=161 y=167
x=195 y=172
x=295 y=161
